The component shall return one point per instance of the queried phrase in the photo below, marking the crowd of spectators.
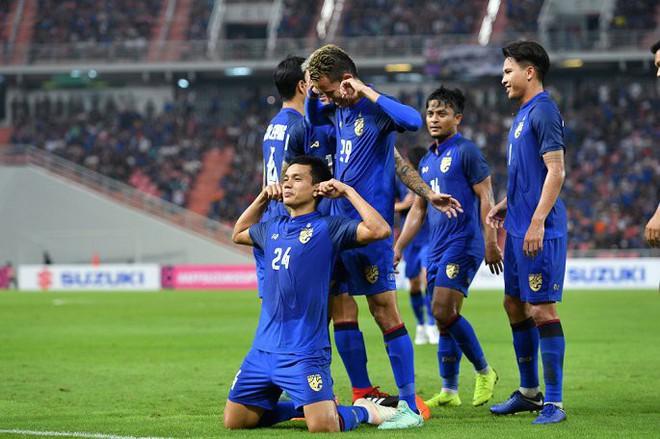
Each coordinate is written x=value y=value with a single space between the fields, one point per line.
x=93 y=28
x=200 y=14
x=159 y=151
x=611 y=186
x=523 y=16
x=411 y=17
x=635 y=14
x=299 y=17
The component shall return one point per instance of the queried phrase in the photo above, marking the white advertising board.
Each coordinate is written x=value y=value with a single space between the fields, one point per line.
x=111 y=277
x=584 y=274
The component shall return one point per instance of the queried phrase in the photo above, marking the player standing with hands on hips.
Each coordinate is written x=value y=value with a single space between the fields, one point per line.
x=535 y=220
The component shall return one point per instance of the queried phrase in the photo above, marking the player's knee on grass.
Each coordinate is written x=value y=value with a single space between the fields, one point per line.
x=322 y=417
x=238 y=416
x=384 y=309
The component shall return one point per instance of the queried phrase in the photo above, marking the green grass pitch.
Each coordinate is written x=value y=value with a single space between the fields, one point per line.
x=161 y=364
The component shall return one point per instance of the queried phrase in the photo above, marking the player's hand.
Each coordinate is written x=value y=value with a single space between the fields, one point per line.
x=494 y=258
x=495 y=217
x=445 y=203
x=351 y=88
x=397 y=259
x=652 y=230
x=331 y=189
x=533 y=243
x=272 y=192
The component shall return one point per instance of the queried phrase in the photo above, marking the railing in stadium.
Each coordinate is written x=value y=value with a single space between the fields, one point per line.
x=257 y=49
x=120 y=192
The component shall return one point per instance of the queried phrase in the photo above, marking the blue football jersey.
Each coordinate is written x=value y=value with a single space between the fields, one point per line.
x=454 y=167
x=538 y=128
x=316 y=141
x=299 y=258
x=274 y=145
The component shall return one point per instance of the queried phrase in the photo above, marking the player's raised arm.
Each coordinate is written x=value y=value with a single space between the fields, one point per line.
x=443 y=202
x=252 y=215
x=316 y=112
x=411 y=227
x=373 y=226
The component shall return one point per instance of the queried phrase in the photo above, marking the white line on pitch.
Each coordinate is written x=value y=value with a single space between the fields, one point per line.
x=73 y=434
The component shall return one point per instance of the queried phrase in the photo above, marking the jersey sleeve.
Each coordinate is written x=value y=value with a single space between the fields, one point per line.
x=548 y=127
x=258 y=233
x=343 y=231
x=295 y=141
x=474 y=164
x=398 y=116
x=318 y=113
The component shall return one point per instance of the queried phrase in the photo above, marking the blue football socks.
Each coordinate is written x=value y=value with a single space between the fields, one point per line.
x=400 y=350
x=350 y=345
x=553 y=345
x=526 y=346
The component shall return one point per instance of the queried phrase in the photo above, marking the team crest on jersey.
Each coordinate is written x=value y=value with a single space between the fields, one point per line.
x=535 y=281
x=306 y=234
x=371 y=273
x=452 y=270
x=445 y=164
x=359 y=125
x=315 y=382
x=314 y=145
x=518 y=130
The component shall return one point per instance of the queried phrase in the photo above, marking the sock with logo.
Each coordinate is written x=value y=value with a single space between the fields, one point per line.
x=463 y=334
x=283 y=411
x=417 y=303
x=400 y=350
x=449 y=360
x=553 y=345
x=526 y=346
x=350 y=345
x=351 y=416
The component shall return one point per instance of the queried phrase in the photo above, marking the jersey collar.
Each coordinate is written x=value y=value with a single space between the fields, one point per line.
x=302 y=220
x=534 y=99
x=439 y=149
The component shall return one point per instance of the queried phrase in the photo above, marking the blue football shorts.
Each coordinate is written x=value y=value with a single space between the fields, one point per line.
x=264 y=375
x=415 y=257
x=535 y=280
x=370 y=269
x=454 y=269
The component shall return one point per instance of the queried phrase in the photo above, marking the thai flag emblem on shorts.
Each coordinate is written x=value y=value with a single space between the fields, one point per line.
x=315 y=382
x=452 y=270
x=371 y=273
x=535 y=281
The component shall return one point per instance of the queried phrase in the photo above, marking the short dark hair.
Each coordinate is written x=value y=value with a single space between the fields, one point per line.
x=451 y=96
x=655 y=47
x=331 y=61
x=287 y=75
x=528 y=53
x=319 y=168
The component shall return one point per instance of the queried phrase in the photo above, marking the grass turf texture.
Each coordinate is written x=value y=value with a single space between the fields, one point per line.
x=161 y=364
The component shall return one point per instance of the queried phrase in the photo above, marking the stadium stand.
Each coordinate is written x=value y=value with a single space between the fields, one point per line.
x=402 y=17
x=298 y=18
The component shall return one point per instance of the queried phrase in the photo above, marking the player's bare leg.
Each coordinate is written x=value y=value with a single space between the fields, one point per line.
x=239 y=416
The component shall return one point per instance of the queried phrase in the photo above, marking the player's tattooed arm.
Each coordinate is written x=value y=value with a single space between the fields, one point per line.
x=443 y=202
x=410 y=177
